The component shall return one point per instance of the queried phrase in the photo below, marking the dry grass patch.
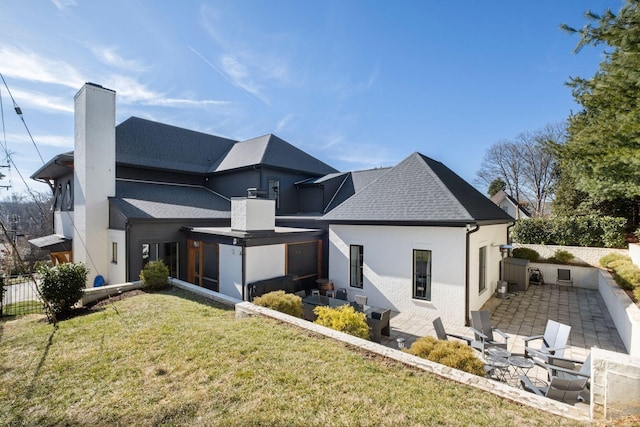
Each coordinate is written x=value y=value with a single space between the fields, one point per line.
x=171 y=358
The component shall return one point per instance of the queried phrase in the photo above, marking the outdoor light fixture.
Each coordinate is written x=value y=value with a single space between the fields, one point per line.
x=400 y=343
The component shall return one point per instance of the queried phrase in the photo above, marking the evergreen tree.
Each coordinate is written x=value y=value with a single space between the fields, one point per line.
x=602 y=153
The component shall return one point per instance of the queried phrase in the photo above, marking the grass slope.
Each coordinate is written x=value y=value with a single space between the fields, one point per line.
x=172 y=359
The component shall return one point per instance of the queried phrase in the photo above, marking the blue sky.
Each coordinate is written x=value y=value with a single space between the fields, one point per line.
x=358 y=84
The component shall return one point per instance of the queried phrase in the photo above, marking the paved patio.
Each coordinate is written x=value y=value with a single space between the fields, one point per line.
x=526 y=313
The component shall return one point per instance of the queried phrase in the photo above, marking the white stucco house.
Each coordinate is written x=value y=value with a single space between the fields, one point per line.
x=413 y=238
x=418 y=239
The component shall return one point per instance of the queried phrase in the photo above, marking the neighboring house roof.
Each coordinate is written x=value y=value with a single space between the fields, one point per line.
x=137 y=199
x=418 y=190
x=501 y=197
x=269 y=150
x=145 y=143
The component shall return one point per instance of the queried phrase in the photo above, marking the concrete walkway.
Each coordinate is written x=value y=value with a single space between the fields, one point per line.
x=526 y=313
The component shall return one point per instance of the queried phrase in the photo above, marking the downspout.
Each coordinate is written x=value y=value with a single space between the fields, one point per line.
x=127 y=249
x=243 y=253
x=470 y=230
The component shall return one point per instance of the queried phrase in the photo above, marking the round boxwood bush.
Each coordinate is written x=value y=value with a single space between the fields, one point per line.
x=343 y=319
x=281 y=301
x=450 y=353
x=61 y=287
x=561 y=257
x=154 y=275
x=526 y=253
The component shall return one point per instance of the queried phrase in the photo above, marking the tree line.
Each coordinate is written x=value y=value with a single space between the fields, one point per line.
x=590 y=163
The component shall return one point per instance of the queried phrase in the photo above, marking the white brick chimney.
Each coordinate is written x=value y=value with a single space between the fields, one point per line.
x=94 y=176
x=253 y=214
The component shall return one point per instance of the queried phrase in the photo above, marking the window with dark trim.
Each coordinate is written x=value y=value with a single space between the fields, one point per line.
x=356 y=254
x=482 y=269
x=422 y=274
x=114 y=252
x=274 y=191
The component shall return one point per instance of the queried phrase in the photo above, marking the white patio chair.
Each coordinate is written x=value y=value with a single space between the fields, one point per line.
x=553 y=342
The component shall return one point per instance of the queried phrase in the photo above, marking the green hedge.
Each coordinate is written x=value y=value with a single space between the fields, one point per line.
x=587 y=230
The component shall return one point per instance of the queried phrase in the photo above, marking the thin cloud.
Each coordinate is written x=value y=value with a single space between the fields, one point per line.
x=29 y=66
x=41 y=101
x=41 y=140
x=110 y=56
x=284 y=122
x=63 y=4
x=237 y=70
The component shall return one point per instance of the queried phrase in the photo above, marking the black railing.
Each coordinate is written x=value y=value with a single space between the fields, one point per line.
x=19 y=296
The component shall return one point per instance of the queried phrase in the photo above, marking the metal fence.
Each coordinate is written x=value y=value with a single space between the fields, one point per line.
x=19 y=297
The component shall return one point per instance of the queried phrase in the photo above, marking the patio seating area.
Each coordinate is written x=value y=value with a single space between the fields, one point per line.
x=524 y=314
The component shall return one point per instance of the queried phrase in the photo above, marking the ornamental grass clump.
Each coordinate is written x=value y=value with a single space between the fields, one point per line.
x=344 y=319
x=154 y=275
x=625 y=272
x=281 y=301
x=561 y=257
x=449 y=353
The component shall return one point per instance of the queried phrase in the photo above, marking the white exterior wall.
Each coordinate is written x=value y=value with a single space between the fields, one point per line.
x=94 y=176
x=116 y=272
x=388 y=266
x=491 y=236
x=63 y=223
x=230 y=270
x=264 y=262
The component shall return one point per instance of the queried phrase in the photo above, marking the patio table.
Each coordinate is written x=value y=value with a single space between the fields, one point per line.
x=500 y=367
x=377 y=318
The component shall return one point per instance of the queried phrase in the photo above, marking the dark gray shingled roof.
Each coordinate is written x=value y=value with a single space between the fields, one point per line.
x=151 y=144
x=269 y=150
x=418 y=190
x=137 y=199
x=355 y=182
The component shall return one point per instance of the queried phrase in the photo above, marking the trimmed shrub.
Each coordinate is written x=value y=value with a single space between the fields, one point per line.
x=614 y=256
x=61 y=287
x=526 y=253
x=561 y=257
x=585 y=230
x=450 y=353
x=626 y=275
x=281 y=301
x=154 y=275
x=344 y=319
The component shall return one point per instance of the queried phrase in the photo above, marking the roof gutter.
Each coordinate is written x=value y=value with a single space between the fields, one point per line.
x=471 y=228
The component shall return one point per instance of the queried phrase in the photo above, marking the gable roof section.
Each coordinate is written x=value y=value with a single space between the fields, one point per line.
x=139 y=200
x=269 y=150
x=145 y=143
x=418 y=190
x=58 y=166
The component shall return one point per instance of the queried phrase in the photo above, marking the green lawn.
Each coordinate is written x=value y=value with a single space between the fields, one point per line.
x=172 y=359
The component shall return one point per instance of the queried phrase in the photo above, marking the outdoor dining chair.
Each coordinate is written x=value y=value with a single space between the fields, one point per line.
x=361 y=299
x=484 y=332
x=330 y=294
x=341 y=293
x=560 y=389
x=443 y=335
x=564 y=277
x=553 y=342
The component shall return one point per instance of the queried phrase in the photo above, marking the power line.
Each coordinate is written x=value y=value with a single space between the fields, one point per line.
x=19 y=113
